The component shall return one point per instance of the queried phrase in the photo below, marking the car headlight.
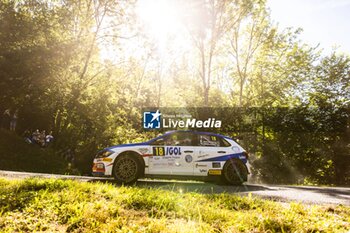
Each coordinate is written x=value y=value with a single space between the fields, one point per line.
x=235 y=149
x=245 y=153
x=104 y=154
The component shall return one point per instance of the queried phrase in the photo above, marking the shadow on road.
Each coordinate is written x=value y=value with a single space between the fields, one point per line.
x=311 y=195
x=339 y=193
x=188 y=186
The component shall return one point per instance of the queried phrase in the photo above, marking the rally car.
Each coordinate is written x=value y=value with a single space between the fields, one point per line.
x=176 y=154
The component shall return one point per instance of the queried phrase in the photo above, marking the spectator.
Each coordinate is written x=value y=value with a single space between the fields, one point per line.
x=68 y=155
x=49 y=138
x=27 y=136
x=42 y=138
x=6 y=117
x=13 y=122
x=36 y=136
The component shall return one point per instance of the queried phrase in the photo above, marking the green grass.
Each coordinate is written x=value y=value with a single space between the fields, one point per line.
x=17 y=155
x=53 y=205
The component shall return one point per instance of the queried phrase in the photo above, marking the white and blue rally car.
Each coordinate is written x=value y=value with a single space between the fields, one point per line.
x=177 y=155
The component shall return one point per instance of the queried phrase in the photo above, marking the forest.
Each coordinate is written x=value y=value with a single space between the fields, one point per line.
x=87 y=69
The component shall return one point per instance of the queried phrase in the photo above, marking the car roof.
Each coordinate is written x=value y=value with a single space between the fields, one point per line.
x=167 y=133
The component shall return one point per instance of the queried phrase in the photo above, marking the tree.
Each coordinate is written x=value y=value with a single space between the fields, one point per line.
x=246 y=37
x=330 y=94
x=206 y=34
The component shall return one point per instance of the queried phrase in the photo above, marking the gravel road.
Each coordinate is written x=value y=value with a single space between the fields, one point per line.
x=284 y=193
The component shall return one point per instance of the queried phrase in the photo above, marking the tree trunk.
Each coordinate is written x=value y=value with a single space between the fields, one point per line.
x=241 y=94
x=206 y=97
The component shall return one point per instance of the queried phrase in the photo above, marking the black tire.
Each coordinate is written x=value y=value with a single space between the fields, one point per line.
x=234 y=172
x=127 y=169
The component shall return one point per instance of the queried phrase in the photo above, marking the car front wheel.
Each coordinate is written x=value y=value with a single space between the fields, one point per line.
x=234 y=172
x=126 y=169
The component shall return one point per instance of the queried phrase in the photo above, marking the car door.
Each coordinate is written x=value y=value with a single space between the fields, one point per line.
x=168 y=156
x=212 y=152
x=183 y=162
x=159 y=162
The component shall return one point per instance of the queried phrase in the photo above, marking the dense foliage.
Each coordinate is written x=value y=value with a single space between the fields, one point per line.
x=51 y=69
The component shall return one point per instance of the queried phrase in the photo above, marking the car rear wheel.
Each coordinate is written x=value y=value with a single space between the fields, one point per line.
x=126 y=169
x=234 y=172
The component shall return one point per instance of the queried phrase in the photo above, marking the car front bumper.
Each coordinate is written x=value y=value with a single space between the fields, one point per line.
x=102 y=168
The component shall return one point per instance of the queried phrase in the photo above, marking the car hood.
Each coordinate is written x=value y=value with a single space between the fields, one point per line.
x=128 y=145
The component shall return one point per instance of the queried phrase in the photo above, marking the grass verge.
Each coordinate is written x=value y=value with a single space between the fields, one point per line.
x=53 y=205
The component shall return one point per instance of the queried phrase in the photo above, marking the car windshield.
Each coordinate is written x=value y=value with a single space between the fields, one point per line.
x=176 y=139
x=208 y=140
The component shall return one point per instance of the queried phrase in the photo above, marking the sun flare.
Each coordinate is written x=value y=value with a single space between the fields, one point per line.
x=163 y=22
x=160 y=17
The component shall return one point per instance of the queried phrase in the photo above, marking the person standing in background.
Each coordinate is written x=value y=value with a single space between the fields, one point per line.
x=6 y=117
x=13 y=122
